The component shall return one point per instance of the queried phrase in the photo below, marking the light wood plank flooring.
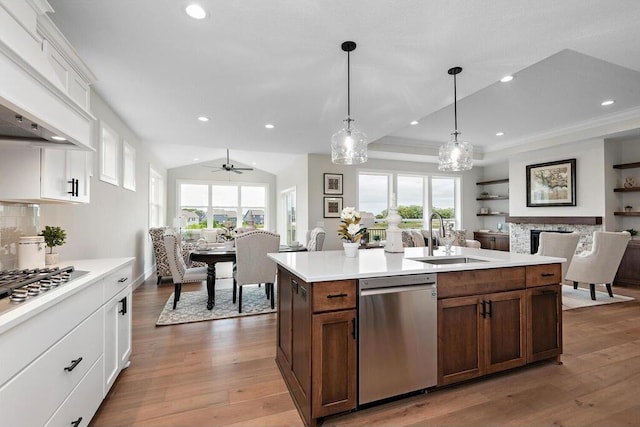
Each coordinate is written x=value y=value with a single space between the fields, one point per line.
x=222 y=373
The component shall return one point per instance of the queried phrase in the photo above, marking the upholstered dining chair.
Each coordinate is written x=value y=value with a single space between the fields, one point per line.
x=160 y=253
x=253 y=267
x=561 y=245
x=179 y=271
x=599 y=265
x=315 y=239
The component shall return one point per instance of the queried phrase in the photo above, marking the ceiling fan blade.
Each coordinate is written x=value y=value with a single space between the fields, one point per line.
x=236 y=170
x=243 y=169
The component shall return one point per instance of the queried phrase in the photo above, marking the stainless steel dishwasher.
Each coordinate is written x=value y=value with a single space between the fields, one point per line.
x=397 y=336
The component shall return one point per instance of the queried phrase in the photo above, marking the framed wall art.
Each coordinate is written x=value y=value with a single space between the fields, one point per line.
x=552 y=183
x=332 y=207
x=333 y=183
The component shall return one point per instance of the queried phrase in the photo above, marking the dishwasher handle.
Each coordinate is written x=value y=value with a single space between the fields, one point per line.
x=396 y=289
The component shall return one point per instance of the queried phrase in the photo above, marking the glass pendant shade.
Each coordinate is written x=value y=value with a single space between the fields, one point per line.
x=456 y=155
x=349 y=145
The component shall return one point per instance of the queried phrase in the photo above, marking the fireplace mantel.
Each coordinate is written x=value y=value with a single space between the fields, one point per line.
x=583 y=220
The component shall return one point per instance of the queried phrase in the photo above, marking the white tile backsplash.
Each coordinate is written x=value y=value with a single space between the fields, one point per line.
x=16 y=220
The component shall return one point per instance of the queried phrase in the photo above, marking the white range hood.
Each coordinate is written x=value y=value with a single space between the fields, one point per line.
x=44 y=84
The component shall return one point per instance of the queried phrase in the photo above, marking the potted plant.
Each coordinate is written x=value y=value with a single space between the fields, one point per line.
x=53 y=236
x=350 y=231
x=633 y=232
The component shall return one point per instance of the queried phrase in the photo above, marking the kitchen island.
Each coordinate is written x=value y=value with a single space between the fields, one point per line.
x=495 y=311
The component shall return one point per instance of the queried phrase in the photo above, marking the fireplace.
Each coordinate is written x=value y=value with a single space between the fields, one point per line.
x=535 y=237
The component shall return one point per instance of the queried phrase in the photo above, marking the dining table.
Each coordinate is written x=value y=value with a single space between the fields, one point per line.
x=213 y=255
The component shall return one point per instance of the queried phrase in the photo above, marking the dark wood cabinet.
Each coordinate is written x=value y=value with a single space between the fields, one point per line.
x=494 y=241
x=544 y=322
x=629 y=269
x=317 y=344
x=480 y=335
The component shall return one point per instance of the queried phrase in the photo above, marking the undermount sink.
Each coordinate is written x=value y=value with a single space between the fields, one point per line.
x=457 y=260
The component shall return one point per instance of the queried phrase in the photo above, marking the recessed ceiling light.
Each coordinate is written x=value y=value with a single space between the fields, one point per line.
x=506 y=79
x=499 y=133
x=203 y=118
x=196 y=11
x=196 y=159
x=607 y=102
x=413 y=123
x=253 y=163
x=58 y=138
x=269 y=126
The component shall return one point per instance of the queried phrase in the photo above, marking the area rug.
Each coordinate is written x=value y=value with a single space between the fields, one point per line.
x=577 y=298
x=192 y=306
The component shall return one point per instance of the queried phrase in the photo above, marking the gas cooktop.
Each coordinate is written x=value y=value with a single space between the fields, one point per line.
x=19 y=285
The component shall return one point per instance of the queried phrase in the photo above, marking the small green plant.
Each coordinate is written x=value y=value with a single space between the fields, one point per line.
x=632 y=232
x=53 y=236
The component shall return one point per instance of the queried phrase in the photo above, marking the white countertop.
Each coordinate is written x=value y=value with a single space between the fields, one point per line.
x=333 y=265
x=14 y=313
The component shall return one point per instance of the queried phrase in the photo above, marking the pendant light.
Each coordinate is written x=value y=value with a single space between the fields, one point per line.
x=455 y=155
x=349 y=145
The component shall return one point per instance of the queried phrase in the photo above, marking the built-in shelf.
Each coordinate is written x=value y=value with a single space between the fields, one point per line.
x=495 y=181
x=626 y=190
x=493 y=198
x=627 y=213
x=627 y=165
x=493 y=214
x=584 y=220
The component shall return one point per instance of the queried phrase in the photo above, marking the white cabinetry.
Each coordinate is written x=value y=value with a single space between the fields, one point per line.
x=58 y=364
x=39 y=175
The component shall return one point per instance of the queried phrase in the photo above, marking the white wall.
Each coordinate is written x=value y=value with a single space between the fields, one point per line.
x=197 y=172
x=321 y=164
x=116 y=222
x=295 y=176
x=590 y=179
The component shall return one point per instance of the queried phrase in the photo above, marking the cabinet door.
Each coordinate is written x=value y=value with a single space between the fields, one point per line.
x=544 y=322
x=485 y=241
x=124 y=329
x=501 y=243
x=78 y=170
x=117 y=336
x=334 y=366
x=504 y=330
x=54 y=178
x=460 y=338
x=301 y=344
x=284 y=314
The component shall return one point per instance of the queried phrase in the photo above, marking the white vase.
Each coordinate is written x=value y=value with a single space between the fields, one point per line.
x=228 y=244
x=50 y=259
x=350 y=249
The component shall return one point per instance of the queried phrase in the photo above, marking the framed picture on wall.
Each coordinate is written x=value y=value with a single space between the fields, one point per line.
x=333 y=183
x=332 y=207
x=552 y=183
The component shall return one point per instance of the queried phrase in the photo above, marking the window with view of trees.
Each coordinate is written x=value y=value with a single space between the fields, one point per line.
x=412 y=195
x=210 y=205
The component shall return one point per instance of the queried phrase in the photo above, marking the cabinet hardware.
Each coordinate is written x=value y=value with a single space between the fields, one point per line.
x=303 y=291
x=353 y=328
x=74 y=187
x=73 y=365
x=337 y=296
x=123 y=310
x=77 y=422
x=294 y=285
x=490 y=312
x=123 y=279
x=484 y=309
x=547 y=274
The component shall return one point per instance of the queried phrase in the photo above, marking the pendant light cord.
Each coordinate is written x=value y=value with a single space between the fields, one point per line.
x=455 y=107
x=348 y=90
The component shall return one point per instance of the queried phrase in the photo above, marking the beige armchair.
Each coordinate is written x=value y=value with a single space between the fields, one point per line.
x=179 y=271
x=160 y=253
x=601 y=263
x=315 y=239
x=562 y=245
x=252 y=264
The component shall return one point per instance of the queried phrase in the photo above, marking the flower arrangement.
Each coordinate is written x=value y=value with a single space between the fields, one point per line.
x=227 y=232
x=350 y=229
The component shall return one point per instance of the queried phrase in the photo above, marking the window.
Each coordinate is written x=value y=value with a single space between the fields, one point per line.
x=413 y=194
x=156 y=199
x=128 y=166
x=289 y=210
x=109 y=154
x=209 y=205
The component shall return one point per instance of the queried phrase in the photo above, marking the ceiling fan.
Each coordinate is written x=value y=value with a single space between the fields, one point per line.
x=228 y=166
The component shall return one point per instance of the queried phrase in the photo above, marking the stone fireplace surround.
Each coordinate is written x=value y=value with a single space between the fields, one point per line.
x=520 y=232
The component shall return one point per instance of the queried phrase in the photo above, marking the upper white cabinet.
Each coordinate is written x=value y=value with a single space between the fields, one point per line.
x=40 y=175
x=43 y=78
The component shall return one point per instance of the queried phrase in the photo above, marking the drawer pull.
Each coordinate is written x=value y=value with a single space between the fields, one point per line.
x=73 y=365
x=77 y=422
x=337 y=296
x=123 y=279
x=303 y=291
x=547 y=274
x=123 y=310
x=294 y=285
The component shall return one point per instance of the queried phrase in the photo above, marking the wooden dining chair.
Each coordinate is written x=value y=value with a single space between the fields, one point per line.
x=252 y=264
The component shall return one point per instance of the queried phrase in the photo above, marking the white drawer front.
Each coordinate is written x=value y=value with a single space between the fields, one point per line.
x=116 y=282
x=32 y=396
x=22 y=344
x=83 y=402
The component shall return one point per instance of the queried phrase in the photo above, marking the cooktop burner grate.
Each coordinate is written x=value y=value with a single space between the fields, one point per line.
x=22 y=284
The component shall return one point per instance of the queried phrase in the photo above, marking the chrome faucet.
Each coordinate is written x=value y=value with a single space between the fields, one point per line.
x=438 y=216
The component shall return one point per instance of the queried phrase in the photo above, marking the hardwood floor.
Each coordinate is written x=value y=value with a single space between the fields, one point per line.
x=223 y=372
